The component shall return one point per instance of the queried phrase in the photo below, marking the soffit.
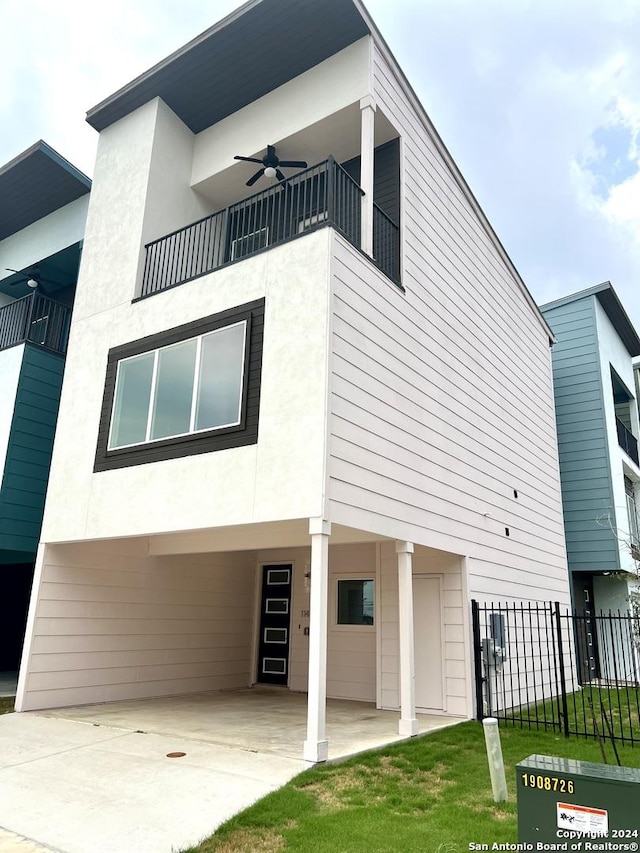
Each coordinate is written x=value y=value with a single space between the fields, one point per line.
x=254 y=50
x=35 y=184
x=608 y=298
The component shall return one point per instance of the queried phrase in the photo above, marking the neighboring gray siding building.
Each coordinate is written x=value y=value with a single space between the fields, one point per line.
x=597 y=417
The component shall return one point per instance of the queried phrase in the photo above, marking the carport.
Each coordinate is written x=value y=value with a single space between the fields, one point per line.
x=258 y=719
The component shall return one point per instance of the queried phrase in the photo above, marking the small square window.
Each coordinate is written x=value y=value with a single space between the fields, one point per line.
x=277 y=605
x=274 y=666
x=278 y=577
x=355 y=602
x=275 y=635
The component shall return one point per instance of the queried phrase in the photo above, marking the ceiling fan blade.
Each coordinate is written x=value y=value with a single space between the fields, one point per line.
x=255 y=177
x=293 y=164
x=280 y=176
x=247 y=159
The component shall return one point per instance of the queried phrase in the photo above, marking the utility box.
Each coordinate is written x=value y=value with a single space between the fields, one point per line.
x=560 y=799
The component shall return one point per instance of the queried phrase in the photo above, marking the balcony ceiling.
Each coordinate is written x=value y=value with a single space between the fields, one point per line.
x=337 y=135
x=56 y=273
x=35 y=184
x=254 y=50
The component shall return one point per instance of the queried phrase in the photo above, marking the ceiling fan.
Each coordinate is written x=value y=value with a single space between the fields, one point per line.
x=271 y=165
x=31 y=278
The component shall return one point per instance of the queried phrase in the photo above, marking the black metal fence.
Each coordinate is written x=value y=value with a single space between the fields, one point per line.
x=542 y=666
x=37 y=319
x=322 y=193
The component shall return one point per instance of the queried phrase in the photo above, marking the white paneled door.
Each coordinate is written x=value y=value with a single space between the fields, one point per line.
x=427 y=620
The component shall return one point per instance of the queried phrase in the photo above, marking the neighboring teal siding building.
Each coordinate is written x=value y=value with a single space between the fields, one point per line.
x=587 y=488
x=598 y=429
x=43 y=204
x=28 y=454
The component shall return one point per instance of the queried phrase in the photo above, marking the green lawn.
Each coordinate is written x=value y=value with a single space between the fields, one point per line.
x=593 y=709
x=6 y=704
x=431 y=795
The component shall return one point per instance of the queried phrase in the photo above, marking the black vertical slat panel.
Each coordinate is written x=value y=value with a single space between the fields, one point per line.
x=477 y=658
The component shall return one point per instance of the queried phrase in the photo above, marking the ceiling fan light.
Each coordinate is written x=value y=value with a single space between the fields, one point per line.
x=32 y=283
x=270 y=172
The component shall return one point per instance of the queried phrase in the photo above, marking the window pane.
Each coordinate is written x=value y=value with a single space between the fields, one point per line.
x=221 y=370
x=174 y=390
x=131 y=406
x=355 y=602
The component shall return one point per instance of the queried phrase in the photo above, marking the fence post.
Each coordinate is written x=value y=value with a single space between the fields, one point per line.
x=477 y=658
x=563 y=680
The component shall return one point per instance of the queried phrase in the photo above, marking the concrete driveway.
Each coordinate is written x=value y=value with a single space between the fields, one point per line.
x=77 y=787
x=97 y=778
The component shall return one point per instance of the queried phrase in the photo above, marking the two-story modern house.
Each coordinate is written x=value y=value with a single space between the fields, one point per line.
x=308 y=408
x=596 y=396
x=43 y=207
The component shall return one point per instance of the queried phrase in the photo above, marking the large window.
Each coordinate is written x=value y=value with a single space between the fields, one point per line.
x=184 y=388
x=191 y=389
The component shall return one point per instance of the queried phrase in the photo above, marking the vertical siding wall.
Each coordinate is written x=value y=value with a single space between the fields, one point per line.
x=582 y=436
x=442 y=401
x=112 y=623
x=455 y=673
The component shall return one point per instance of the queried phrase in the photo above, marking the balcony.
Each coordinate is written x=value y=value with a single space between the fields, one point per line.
x=35 y=319
x=322 y=194
x=627 y=441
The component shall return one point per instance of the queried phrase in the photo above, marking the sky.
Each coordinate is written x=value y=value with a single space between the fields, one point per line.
x=538 y=101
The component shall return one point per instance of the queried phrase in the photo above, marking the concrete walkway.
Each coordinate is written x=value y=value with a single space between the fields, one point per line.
x=79 y=788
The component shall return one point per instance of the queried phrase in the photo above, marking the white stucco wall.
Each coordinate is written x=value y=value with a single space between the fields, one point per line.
x=281 y=477
x=10 y=363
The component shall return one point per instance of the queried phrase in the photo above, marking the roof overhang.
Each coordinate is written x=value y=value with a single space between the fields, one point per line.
x=613 y=308
x=35 y=184
x=209 y=78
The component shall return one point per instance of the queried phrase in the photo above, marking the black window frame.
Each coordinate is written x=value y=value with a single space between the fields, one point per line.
x=239 y=435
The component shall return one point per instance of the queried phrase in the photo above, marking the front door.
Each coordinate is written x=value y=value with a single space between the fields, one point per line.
x=586 y=631
x=275 y=607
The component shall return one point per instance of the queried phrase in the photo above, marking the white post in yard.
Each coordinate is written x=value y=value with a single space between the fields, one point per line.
x=367 y=144
x=316 y=746
x=408 y=722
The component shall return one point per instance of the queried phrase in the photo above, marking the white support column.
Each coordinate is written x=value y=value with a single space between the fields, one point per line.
x=367 y=145
x=316 y=746
x=408 y=722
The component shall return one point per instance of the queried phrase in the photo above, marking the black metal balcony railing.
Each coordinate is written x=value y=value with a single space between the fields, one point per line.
x=36 y=319
x=325 y=193
x=386 y=243
x=627 y=441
